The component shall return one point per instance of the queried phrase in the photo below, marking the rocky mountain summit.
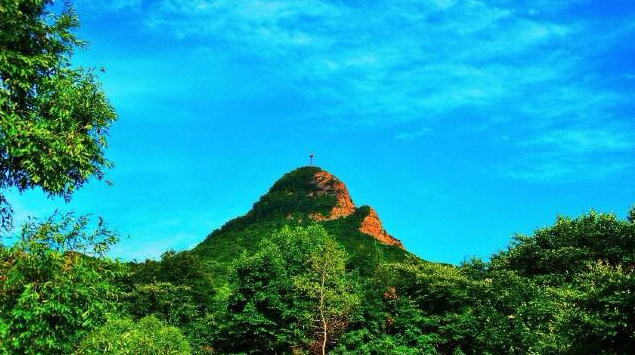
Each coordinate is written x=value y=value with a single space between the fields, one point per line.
x=328 y=184
x=319 y=195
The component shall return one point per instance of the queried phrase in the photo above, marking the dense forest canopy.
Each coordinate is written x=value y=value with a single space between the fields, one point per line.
x=567 y=289
x=290 y=277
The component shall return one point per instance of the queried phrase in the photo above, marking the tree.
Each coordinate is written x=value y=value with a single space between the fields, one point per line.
x=180 y=269
x=559 y=251
x=178 y=290
x=325 y=282
x=295 y=292
x=124 y=336
x=261 y=313
x=55 y=285
x=169 y=303
x=54 y=118
x=598 y=317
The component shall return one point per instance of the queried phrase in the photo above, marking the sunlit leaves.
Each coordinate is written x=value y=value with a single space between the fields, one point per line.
x=55 y=284
x=54 y=117
x=126 y=337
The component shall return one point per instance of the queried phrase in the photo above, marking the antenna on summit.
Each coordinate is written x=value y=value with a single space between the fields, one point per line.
x=311 y=159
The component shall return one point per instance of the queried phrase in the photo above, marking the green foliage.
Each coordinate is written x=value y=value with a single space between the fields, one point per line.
x=180 y=269
x=324 y=283
x=300 y=292
x=568 y=246
x=299 y=288
x=541 y=296
x=148 y=336
x=527 y=300
x=226 y=245
x=567 y=289
x=289 y=293
x=178 y=290
x=169 y=303
x=386 y=322
x=55 y=285
x=54 y=118
x=600 y=316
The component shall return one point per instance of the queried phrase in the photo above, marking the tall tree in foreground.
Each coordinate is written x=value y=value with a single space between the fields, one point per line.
x=54 y=118
x=326 y=284
x=294 y=293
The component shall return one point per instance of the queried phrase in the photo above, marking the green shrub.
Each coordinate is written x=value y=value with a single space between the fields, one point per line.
x=124 y=336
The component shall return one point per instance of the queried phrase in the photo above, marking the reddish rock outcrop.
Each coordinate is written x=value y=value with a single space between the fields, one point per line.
x=371 y=225
x=344 y=207
x=330 y=185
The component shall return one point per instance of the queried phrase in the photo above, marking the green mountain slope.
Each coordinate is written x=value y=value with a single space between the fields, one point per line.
x=303 y=196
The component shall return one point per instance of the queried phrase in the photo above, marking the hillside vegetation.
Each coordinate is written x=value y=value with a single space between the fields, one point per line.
x=567 y=289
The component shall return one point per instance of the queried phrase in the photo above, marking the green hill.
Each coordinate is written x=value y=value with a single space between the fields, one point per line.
x=303 y=196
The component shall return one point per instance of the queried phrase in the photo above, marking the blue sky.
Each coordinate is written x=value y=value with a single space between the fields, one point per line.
x=461 y=122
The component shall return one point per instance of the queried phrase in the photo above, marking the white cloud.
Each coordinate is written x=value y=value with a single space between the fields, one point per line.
x=406 y=136
x=564 y=169
x=584 y=141
x=573 y=154
x=389 y=62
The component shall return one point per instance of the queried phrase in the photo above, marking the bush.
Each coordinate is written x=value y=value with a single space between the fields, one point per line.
x=124 y=336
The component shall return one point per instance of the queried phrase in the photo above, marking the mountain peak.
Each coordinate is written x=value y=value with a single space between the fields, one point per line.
x=313 y=193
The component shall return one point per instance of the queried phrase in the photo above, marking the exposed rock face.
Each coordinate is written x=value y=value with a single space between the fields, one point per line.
x=323 y=183
x=331 y=185
x=371 y=225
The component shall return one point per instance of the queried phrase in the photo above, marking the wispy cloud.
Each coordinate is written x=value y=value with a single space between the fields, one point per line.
x=391 y=62
x=584 y=141
x=564 y=169
x=377 y=61
x=406 y=136
x=566 y=154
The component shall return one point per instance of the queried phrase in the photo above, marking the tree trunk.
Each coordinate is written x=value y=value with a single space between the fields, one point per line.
x=322 y=316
